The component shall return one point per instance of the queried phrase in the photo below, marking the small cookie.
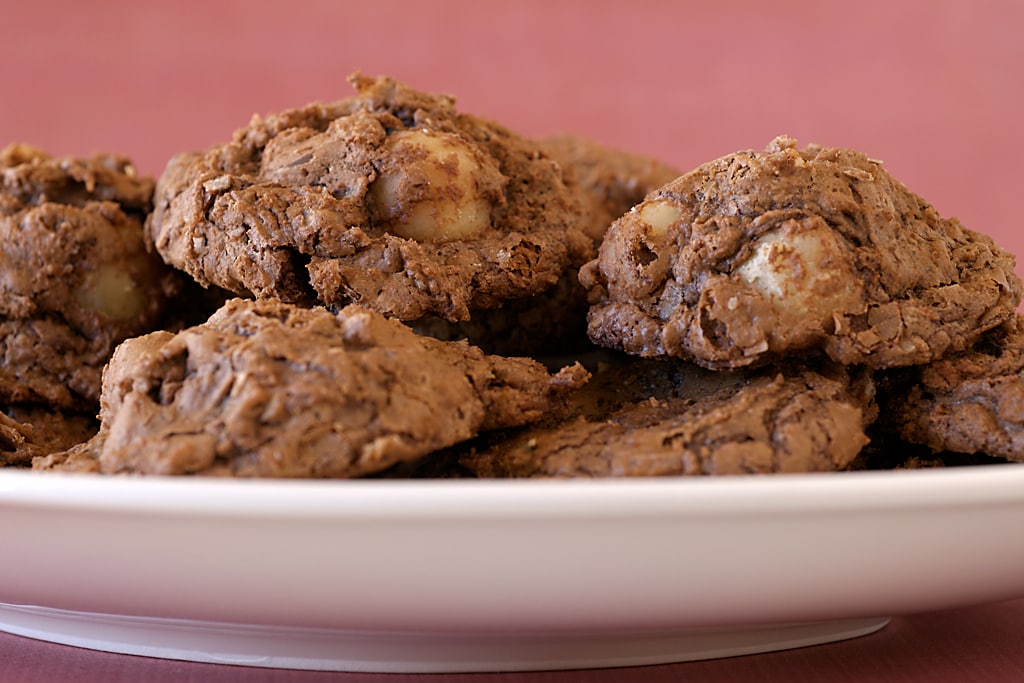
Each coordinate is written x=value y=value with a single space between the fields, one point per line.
x=970 y=402
x=268 y=389
x=391 y=199
x=77 y=276
x=667 y=418
x=756 y=256
x=612 y=180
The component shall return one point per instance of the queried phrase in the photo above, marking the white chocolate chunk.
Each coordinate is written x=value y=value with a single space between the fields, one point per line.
x=435 y=189
x=804 y=272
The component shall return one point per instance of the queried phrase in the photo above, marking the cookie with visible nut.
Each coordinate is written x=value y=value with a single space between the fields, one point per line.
x=392 y=199
x=269 y=389
x=77 y=277
x=667 y=417
x=756 y=256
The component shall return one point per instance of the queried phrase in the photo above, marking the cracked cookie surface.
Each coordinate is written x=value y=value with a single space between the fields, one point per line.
x=758 y=255
x=77 y=277
x=270 y=389
x=392 y=199
x=653 y=417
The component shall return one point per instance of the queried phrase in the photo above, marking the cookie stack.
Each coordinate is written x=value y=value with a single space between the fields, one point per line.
x=386 y=286
x=77 y=279
x=793 y=297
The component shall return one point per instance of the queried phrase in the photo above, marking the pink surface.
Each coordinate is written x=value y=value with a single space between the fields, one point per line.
x=931 y=87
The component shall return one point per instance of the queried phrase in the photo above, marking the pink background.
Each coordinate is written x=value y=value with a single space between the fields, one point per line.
x=931 y=87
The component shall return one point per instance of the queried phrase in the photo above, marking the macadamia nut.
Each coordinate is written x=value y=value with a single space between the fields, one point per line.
x=112 y=292
x=436 y=188
x=660 y=216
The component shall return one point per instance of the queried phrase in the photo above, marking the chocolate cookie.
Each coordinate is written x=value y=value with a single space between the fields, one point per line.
x=664 y=418
x=270 y=389
x=392 y=199
x=970 y=402
x=77 y=276
x=758 y=255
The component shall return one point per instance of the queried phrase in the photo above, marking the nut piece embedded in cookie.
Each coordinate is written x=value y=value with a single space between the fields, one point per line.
x=755 y=256
x=392 y=199
x=75 y=274
x=434 y=187
x=268 y=389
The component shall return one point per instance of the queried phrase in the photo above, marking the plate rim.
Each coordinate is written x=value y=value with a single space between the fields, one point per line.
x=513 y=535
x=986 y=485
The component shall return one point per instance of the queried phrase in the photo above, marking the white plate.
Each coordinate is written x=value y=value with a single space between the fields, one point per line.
x=455 y=575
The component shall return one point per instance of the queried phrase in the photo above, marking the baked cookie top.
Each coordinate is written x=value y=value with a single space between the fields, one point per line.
x=77 y=276
x=270 y=389
x=392 y=199
x=757 y=255
x=969 y=402
x=669 y=417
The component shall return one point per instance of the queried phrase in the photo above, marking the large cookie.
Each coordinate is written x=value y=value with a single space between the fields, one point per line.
x=392 y=199
x=756 y=256
x=270 y=389
x=970 y=402
x=668 y=417
x=77 y=277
